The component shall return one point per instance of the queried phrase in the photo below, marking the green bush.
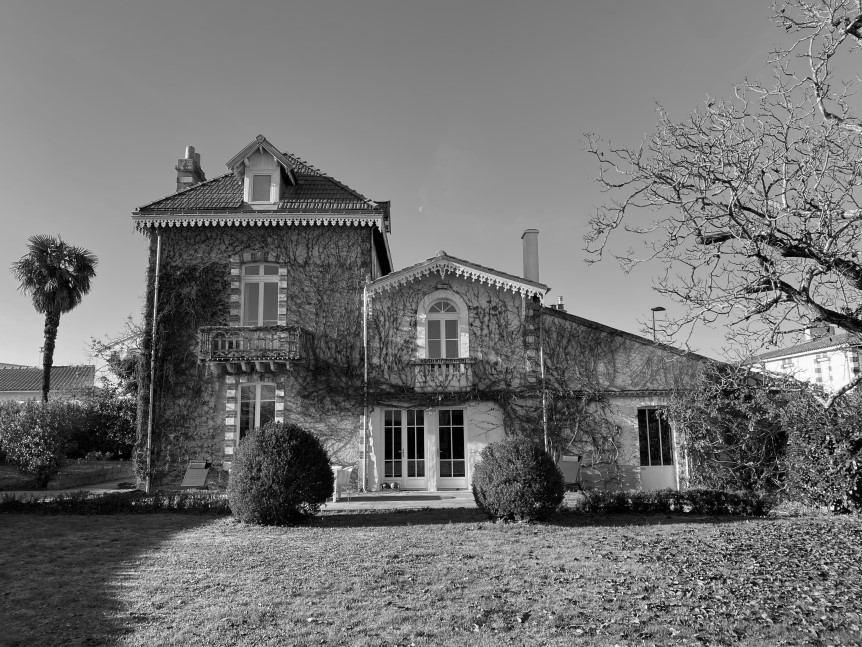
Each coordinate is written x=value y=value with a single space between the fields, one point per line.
x=517 y=479
x=697 y=501
x=280 y=475
x=825 y=453
x=33 y=438
x=102 y=421
x=85 y=503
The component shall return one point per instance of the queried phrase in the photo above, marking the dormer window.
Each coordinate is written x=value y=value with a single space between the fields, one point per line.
x=261 y=188
x=262 y=169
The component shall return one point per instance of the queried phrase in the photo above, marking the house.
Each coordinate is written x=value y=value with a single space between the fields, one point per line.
x=22 y=383
x=275 y=298
x=825 y=357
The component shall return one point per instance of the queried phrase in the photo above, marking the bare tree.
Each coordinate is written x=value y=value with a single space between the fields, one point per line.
x=752 y=203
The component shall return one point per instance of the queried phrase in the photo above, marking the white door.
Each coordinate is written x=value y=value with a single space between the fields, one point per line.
x=404 y=448
x=658 y=471
x=452 y=447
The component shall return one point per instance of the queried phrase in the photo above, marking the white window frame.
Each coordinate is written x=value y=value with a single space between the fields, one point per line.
x=257 y=281
x=422 y=316
x=443 y=317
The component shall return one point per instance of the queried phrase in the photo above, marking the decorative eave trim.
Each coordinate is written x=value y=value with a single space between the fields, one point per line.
x=255 y=219
x=444 y=266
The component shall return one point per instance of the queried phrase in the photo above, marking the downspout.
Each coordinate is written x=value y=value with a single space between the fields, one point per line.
x=153 y=364
x=365 y=383
x=542 y=369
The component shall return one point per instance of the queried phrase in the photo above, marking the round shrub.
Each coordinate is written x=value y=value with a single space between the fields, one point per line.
x=280 y=475
x=517 y=479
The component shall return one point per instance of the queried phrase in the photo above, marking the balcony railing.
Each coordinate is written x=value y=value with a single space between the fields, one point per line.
x=451 y=374
x=242 y=346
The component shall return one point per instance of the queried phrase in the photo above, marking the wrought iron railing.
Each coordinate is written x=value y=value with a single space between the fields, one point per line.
x=451 y=374
x=251 y=343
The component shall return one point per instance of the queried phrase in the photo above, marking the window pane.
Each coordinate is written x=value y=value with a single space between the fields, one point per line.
x=445 y=444
x=451 y=328
x=459 y=469
x=445 y=469
x=247 y=393
x=267 y=412
x=445 y=417
x=267 y=392
x=270 y=270
x=451 y=348
x=666 y=443
x=260 y=188
x=270 y=304
x=251 y=270
x=434 y=339
x=644 y=438
x=458 y=417
x=246 y=418
x=250 y=304
x=654 y=438
x=458 y=443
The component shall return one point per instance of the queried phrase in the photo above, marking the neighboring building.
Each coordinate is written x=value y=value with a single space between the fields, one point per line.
x=826 y=357
x=278 y=301
x=25 y=383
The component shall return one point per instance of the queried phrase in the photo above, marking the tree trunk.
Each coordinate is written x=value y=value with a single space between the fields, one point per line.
x=52 y=322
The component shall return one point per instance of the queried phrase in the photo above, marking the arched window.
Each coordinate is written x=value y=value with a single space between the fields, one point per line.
x=442 y=330
x=260 y=294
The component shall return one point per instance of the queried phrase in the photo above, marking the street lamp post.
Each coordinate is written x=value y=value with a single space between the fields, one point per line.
x=654 y=310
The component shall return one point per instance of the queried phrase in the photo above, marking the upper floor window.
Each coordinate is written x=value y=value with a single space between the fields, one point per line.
x=262 y=180
x=442 y=327
x=260 y=294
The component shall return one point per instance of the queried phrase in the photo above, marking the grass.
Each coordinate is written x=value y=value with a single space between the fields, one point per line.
x=434 y=577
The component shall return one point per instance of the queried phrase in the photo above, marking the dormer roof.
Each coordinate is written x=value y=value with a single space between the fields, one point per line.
x=444 y=264
x=261 y=143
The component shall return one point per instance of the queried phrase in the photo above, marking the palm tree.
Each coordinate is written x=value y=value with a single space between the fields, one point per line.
x=55 y=276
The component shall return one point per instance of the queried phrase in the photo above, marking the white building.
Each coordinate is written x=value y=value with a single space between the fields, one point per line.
x=826 y=357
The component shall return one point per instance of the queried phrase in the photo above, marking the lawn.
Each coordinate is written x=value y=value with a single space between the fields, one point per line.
x=436 y=577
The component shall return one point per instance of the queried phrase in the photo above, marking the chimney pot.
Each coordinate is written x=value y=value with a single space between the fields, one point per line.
x=531 y=254
x=190 y=152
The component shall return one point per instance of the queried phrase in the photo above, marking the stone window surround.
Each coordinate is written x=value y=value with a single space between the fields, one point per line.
x=231 y=430
x=232 y=406
x=236 y=263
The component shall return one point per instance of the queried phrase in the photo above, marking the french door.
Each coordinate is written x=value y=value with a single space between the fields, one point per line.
x=404 y=448
x=453 y=460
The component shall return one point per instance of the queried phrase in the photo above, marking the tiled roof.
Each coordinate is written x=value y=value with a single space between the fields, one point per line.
x=63 y=378
x=827 y=341
x=315 y=192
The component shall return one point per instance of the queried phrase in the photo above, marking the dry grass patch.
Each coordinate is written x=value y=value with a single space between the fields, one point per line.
x=437 y=577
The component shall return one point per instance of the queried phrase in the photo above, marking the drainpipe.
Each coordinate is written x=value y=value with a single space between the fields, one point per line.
x=365 y=383
x=542 y=368
x=148 y=483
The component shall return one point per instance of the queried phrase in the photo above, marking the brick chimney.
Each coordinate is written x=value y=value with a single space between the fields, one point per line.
x=531 y=254
x=188 y=169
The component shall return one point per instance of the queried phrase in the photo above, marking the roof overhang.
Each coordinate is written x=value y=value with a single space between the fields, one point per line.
x=444 y=265
x=256 y=219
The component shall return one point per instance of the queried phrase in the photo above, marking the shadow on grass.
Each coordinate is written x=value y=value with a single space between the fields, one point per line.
x=567 y=519
x=63 y=575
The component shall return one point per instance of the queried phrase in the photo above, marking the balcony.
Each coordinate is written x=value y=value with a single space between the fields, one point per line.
x=449 y=375
x=243 y=349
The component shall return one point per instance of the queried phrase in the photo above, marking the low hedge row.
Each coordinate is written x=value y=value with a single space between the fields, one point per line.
x=84 y=503
x=712 y=502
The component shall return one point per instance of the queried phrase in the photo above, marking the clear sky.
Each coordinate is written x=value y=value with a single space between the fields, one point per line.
x=468 y=116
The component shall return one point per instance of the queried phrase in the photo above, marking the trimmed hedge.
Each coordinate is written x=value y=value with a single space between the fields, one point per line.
x=517 y=479
x=280 y=475
x=84 y=503
x=698 y=501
